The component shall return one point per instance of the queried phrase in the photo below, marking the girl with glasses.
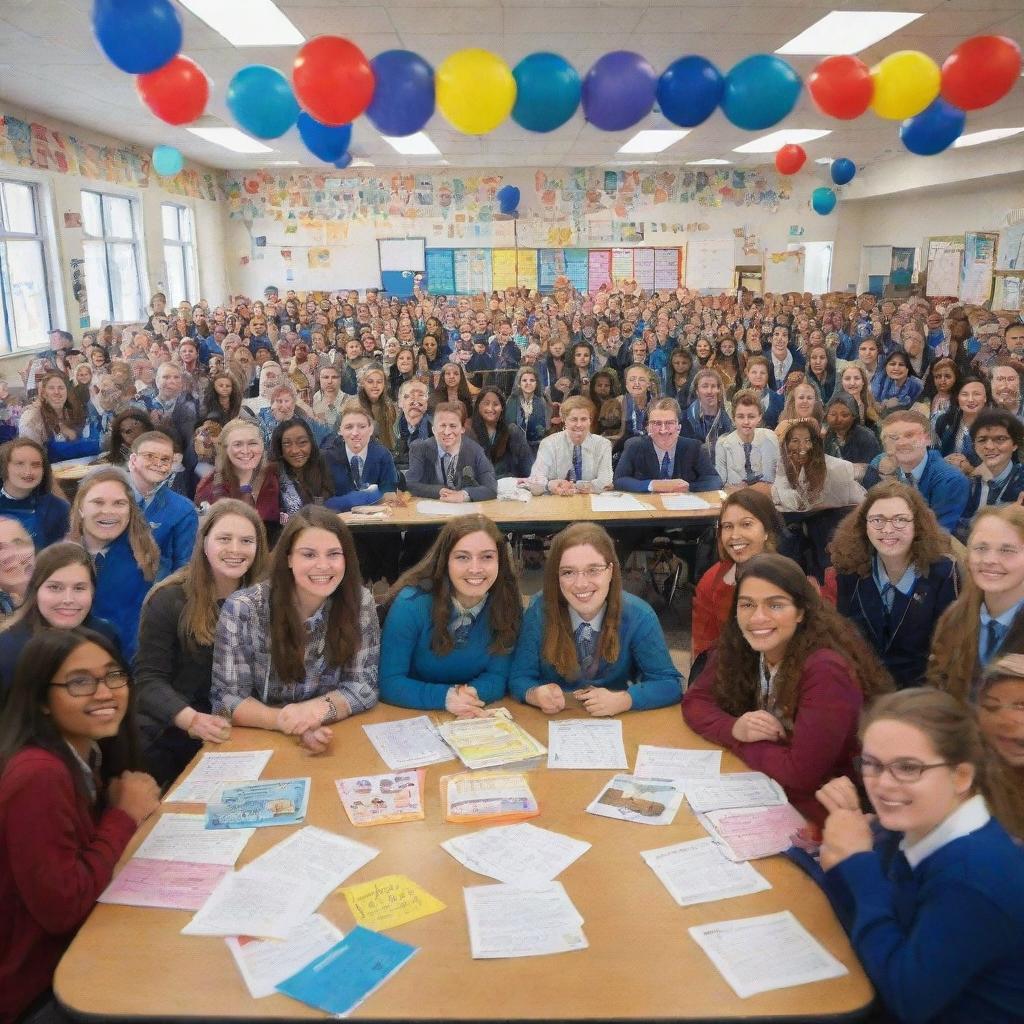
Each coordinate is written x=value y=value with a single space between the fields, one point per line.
x=895 y=576
x=586 y=639
x=933 y=900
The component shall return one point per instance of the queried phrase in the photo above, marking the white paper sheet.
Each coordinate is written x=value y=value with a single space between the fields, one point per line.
x=209 y=776
x=643 y=801
x=314 y=856
x=734 y=789
x=520 y=854
x=684 y=503
x=408 y=743
x=676 y=763
x=738 y=949
x=586 y=743
x=616 y=502
x=507 y=921
x=263 y=965
x=184 y=837
x=698 y=872
x=445 y=508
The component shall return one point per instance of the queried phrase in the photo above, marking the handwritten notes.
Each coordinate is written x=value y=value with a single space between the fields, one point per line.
x=586 y=743
x=389 y=902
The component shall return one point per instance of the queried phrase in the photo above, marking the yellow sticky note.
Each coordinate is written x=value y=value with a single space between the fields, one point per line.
x=389 y=901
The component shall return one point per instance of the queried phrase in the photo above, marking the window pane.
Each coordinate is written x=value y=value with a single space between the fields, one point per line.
x=91 y=219
x=19 y=210
x=170 y=221
x=27 y=277
x=125 y=285
x=96 y=283
x=192 y=275
x=175 y=274
x=186 y=224
x=119 y=217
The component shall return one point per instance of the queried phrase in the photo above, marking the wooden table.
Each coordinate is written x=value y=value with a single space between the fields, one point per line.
x=641 y=964
x=74 y=473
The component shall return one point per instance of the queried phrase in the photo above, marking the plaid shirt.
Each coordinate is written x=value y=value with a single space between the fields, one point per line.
x=242 y=663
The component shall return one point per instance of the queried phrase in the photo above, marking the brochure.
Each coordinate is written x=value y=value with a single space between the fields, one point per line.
x=490 y=741
x=487 y=796
x=276 y=802
x=382 y=799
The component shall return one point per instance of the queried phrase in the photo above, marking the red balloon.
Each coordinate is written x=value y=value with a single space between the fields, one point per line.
x=980 y=71
x=841 y=87
x=333 y=80
x=790 y=159
x=177 y=93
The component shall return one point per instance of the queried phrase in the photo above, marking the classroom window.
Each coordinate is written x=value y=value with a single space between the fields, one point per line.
x=179 y=254
x=113 y=261
x=25 y=308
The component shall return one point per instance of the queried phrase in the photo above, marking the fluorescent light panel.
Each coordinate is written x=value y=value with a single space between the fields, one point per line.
x=992 y=135
x=847 y=32
x=825 y=160
x=247 y=22
x=653 y=140
x=412 y=145
x=776 y=140
x=231 y=138
x=707 y=163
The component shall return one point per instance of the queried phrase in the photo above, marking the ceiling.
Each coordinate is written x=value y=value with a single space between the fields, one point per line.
x=53 y=66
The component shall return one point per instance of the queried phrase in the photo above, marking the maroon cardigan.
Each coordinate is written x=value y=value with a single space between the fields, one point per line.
x=55 y=860
x=267 y=502
x=824 y=738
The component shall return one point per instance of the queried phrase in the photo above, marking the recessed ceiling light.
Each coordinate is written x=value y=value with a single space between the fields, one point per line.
x=706 y=163
x=284 y=163
x=848 y=32
x=247 y=22
x=825 y=160
x=360 y=162
x=992 y=135
x=653 y=140
x=412 y=145
x=776 y=140
x=231 y=138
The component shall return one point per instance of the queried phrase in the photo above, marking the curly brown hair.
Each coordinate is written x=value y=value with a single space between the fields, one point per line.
x=737 y=677
x=852 y=551
x=815 y=472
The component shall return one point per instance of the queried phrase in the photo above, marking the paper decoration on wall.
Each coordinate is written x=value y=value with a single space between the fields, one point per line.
x=1010 y=254
x=1009 y=293
x=668 y=268
x=72 y=219
x=902 y=268
x=599 y=263
x=945 y=256
x=319 y=257
x=979 y=262
x=472 y=271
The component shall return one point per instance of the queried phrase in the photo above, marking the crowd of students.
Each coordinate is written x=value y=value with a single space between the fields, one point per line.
x=202 y=577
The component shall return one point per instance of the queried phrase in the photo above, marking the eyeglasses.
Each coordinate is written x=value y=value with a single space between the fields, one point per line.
x=590 y=572
x=156 y=460
x=994 y=707
x=902 y=769
x=86 y=684
x=898 y=523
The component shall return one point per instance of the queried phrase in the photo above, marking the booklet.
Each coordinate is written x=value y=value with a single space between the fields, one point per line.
x=645 y=801
x=746 y=833
x=487 y=796
x=382 y=799
x=490 y=741
x=277 y=802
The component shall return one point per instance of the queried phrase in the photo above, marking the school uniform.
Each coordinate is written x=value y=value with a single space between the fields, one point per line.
x=861 y=445
x=472 y=473
x=174 y=522
x=517 y=459
x=45 y=517
x=1005 y=489
x=840 y=490
x=641 y=463
x=703 y=428
x=744 y=463
x=407 y=436
x=376 y=470
x=944 y=488
x=556 y=460
x=120 y=590
x=778 y=371
x=535 y=423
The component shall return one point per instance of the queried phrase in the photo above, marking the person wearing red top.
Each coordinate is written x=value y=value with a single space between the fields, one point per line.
x=776 y=691
x=68 y=804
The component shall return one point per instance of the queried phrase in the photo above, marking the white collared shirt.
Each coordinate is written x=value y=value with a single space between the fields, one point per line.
x=576 y=620
x=554 y=460
x=967 y=818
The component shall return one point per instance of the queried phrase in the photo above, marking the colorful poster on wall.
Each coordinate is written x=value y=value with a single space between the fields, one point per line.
x=1011 y=248
x=528 y=269
x=472 y=271
x=1009 y=293
x=577 y=268
x=599 y=263
x=945 y=256
x=440 y=271
x=979 y=262
x=667 y=268
x=902 y=269
x=550 y=264
x=643 y=268
x=319 y=257
x=622 y=265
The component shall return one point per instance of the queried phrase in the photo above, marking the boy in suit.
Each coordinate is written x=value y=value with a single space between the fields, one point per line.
x=450 y=466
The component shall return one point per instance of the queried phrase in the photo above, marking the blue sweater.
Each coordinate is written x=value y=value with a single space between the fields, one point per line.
x=943 y=943
x=120 y=590
x=643 y=666
x=413 y=676
x=174 y=522
x=44 y=516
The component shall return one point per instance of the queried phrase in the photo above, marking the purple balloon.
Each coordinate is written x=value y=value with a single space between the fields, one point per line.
x=619 y=91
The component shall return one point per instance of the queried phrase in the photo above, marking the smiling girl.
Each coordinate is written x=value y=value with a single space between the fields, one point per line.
x=29 y=492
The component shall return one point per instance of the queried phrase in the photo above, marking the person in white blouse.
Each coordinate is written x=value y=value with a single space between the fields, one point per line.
x=749 y=456
x=810 y=479
x=573 y=461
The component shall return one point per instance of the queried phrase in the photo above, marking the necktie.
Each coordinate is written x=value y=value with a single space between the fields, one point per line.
x=666 y=467
x=995 y=631
x=357 y=470
x=98 y=562
x=449 y=470
x=888 y=596
x=748 y=469
x=585 y=646
x=577 y=462
x=460 y=627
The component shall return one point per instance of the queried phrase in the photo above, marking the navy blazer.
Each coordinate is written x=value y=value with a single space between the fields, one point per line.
x=639 y=464
x=474 y=474
x=378 y=468
x=943 y=487
x=776 y=403
x=1008 y=495
x=799 y=363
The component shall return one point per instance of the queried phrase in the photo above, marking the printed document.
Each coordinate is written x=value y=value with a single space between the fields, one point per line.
x=508 y=921
x=520 y=854
x=208 y=778
x=408 y=743
x=586 y=743
x=675 y=763
x=698 y=872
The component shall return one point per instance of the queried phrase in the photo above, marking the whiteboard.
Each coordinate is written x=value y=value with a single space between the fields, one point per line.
x=402 y=253
x=709 y=263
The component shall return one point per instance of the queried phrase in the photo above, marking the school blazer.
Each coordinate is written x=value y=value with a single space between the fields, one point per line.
x=640 y=463
x=473 y=473
x=799 y=363
x=378 y=468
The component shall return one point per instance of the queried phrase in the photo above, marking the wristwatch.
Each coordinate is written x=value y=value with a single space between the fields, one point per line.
x=332 y=712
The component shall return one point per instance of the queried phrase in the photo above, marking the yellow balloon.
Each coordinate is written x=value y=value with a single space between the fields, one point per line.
x=905 y=83
x=475 y=90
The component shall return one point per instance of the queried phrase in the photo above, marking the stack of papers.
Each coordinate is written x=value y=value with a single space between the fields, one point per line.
x=214 y=771
x=698 y=872
x=521 y=854
x=586 y=743
x=509 y=921
x=737 y=789
x=750 y=832
x=684 y=503
x=647 y=801
x=259 y=804
x=673 y=763
x=389 y=901
x=617 y=502
x=738 y=949
x=382 y=799
x=408 y=743
x=177 y=866
x=487 y=796
x=490 y=741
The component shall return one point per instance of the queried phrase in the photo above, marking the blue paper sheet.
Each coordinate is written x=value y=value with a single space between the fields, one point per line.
x=274 y=802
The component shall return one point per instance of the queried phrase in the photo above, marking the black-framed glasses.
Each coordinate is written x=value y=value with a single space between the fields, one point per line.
x=85 y=684
x=903 y=769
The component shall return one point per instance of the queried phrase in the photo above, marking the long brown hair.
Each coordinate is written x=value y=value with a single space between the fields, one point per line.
x=48 y=485
x=853 y=552
x=559 y=647
x=140 y=536
x=430 y=574
x=198 y=623
x=50 y=560
x=737 y=679
x=761 y=507
x=816 y=470
x=71 y=415
x=287 y=630
x=224 y=474
x=383 y=412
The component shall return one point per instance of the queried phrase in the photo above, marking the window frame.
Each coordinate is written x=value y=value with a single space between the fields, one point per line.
x=137 y=242
x=188 y=252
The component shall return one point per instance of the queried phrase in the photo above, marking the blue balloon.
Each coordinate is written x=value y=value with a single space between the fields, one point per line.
x=324 y=141
x=618 y=91
x=760 y=91
x=936 y=128
x=508 y=199
x=138 y=36
x=262 y=101
x=167 y=161
x=823 y=200
x=843 y=171
x=403 y=99
x=548 y=92
x=343 y=161
x=689 y=90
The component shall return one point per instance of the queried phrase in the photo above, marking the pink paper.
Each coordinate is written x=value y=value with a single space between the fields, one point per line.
x=757 y=832
x=171 y=884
